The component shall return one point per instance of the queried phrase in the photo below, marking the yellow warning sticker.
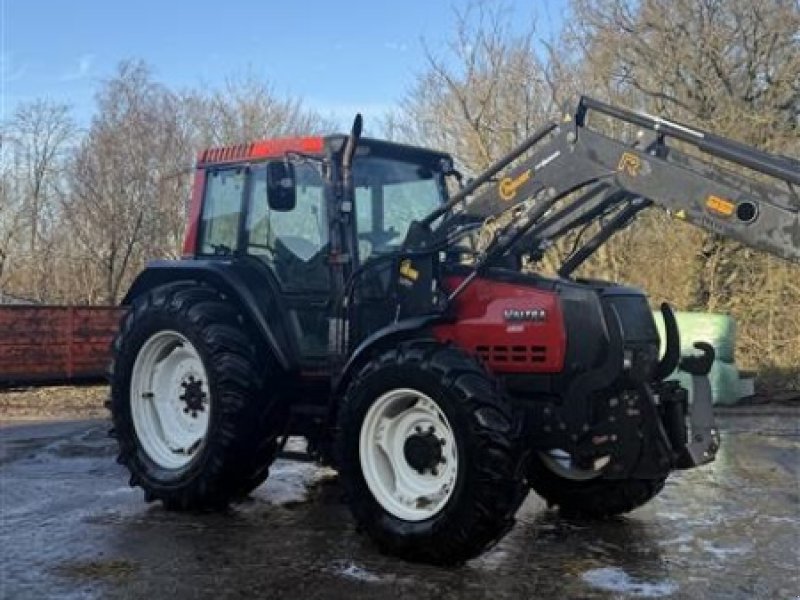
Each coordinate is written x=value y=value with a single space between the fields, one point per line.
x=408 y=271
x=720 y=206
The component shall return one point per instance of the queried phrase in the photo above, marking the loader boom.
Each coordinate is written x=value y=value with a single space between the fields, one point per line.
x=569 y=174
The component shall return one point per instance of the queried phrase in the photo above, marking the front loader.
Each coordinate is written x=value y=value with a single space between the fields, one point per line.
x=331 y=288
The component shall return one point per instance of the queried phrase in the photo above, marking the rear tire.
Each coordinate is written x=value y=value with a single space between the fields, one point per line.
x=593 y=498
x=232 y=454
x=443 y=514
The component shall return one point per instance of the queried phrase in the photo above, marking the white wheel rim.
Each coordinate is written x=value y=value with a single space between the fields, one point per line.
x=170 y=399
x=399 y=488
x=561 y=463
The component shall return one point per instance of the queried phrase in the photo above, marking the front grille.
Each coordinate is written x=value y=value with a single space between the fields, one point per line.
x=512 y=354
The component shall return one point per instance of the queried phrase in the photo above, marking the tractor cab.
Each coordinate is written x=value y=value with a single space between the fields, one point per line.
x=279 y=207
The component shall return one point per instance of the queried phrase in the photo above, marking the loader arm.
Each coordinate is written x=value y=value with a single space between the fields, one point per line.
x=569 y=174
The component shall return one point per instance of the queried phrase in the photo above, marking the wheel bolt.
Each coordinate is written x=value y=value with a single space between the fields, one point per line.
x=431 y=430
x=442 y=441
x=434 y=471
x=418 y=429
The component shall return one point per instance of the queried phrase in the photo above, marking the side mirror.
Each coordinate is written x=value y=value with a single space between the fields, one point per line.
x=281 y=188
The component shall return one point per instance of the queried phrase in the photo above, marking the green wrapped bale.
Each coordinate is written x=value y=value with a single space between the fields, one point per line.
x=719 y=331
x=715 y=329
x=726 y=387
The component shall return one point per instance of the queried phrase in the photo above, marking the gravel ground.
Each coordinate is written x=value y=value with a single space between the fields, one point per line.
x=72 y=528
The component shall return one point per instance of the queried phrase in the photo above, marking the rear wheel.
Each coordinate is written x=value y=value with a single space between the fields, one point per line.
x=427 y=454
x=195 y=421
x=583 y=493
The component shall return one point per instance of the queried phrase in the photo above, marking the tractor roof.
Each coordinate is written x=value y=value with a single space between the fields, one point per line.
x=263 y=149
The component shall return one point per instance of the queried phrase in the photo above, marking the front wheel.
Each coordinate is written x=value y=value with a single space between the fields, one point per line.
x=427 y=454
x=582 y=493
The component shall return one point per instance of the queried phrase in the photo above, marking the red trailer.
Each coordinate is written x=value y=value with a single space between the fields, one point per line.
x=55 y=344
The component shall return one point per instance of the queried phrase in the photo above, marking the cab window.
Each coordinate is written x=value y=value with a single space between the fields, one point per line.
x=390 y=194
x=294 y=243
x=222 y=210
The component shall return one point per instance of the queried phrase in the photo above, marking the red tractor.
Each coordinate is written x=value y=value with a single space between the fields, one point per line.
x=332 y=289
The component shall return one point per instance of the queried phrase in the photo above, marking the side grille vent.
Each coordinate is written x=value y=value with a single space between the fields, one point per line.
x=512 y=354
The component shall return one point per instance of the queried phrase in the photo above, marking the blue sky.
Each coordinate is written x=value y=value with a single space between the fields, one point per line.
x=341 y=57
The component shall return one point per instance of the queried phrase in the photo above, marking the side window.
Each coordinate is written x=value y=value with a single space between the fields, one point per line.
x=293 y=242
x=222 y=209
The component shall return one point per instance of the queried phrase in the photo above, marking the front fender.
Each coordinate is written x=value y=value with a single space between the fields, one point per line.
x=383 y=338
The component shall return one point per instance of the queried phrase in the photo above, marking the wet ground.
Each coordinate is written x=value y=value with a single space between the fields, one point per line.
x=72 y=528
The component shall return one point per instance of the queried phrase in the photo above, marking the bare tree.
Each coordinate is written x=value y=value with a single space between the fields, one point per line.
x=484 y=96
x=39 y=134
x=35 y=144
x=130 y=177
x=247 y=108
x=113 y=207
x=730 y=66
x=9 y=215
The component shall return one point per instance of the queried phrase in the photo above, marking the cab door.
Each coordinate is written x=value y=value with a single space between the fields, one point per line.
x=294 y=245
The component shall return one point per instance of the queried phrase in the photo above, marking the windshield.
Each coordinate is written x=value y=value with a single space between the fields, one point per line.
x=390 y=194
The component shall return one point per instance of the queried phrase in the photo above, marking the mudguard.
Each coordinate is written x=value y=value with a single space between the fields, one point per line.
x=249 y=286
x=384 y=337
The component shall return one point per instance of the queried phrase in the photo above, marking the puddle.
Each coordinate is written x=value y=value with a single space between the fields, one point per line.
x=350 y=570
x=720 y=552
x=612 y=579
x=290 y=483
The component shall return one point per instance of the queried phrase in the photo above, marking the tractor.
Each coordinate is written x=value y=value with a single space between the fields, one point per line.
x=361 y=294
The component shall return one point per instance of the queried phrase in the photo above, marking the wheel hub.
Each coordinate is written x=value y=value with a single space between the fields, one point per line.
x=563 y=464
x=193 y=396
x=408 y=454
x=423 y=451
x=171 y=403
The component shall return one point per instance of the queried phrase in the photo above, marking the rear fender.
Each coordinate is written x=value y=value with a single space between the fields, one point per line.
x=251 y=290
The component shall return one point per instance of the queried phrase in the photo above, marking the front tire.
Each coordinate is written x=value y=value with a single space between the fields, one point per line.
x=595 y=498
x=195 y=423
x=427 y=454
